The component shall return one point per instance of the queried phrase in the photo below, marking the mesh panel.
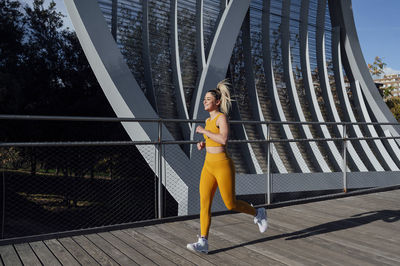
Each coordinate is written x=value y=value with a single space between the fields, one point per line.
x=50 y=189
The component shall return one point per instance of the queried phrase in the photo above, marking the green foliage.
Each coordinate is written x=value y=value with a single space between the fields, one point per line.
x=394 y=105
x=10 y=158
x=377 y=67
x=387 y=92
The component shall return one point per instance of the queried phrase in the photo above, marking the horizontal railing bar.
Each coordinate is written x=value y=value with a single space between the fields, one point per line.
x=167 y=142
x=78 y=118
x=77 y=143
x=163 y=120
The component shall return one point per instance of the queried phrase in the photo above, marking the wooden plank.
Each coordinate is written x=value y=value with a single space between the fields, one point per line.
x=143 y=249
x=26 y=254
x=226 y=258
x=160 y=249
x=110 y=250
x=367 y=203
x=236 y=218
x=9 y=256
x=394 y=194
x=61 y=252
x=101 y=257
x=131 y=252
x=379 y=202
x=44 y=254
x=77 y=252
x=384 y=197
x=389 y=196
x=157 y=235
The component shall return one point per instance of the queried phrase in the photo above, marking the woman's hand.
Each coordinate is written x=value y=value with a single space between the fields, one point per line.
x=200 y=145
x=200 y=130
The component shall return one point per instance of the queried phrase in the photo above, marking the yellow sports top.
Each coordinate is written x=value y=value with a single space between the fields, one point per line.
x=211 y=125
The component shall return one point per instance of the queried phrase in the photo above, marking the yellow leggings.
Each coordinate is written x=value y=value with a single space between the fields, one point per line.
x=219 y=171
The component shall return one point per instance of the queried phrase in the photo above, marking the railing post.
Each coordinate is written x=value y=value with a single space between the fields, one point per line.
x=160 y=185
x=344 y=167
x=3 y=204
x=269 y=177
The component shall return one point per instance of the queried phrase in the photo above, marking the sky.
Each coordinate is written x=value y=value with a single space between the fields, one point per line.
x=378 y=28
x=377 y=23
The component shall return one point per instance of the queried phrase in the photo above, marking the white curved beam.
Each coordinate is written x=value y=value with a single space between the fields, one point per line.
x=293 y=150
x=330 y=147
x=385 y=158
x=339 y=80
x=246 y=149
x=148 y=77
x=201 y=58
x=312 y=148
x=362 y=147
x=255 y=105
x=177 y=73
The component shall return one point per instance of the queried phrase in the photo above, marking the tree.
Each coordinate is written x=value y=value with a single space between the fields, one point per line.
x=11 y=54
x=43 y=71
x=394 y=105
x=377 y=68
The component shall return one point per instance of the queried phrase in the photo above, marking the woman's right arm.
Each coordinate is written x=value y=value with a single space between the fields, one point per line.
x=200 y=145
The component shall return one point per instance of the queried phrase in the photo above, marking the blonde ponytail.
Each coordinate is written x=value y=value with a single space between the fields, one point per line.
x=223 y=88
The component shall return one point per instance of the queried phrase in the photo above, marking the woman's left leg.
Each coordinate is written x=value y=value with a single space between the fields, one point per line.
x=207 y=188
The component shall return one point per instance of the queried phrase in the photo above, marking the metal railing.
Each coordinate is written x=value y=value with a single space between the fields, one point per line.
x=18 y=185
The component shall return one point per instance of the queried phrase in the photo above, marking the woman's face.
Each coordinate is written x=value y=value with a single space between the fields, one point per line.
x=210 y=103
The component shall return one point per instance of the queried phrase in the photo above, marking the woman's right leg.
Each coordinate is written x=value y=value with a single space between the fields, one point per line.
x=225 y=176
x=208 y=186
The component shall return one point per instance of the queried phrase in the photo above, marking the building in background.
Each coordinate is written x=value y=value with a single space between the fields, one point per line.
x=390 y=81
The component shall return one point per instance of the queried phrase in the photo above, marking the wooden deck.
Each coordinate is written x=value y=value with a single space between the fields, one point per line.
x=359 y=230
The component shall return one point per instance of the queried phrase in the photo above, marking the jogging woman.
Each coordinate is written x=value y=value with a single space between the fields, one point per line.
x=218 y=170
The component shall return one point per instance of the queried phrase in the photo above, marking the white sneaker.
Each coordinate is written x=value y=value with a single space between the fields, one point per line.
x=200 y=246
x=261 y=219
